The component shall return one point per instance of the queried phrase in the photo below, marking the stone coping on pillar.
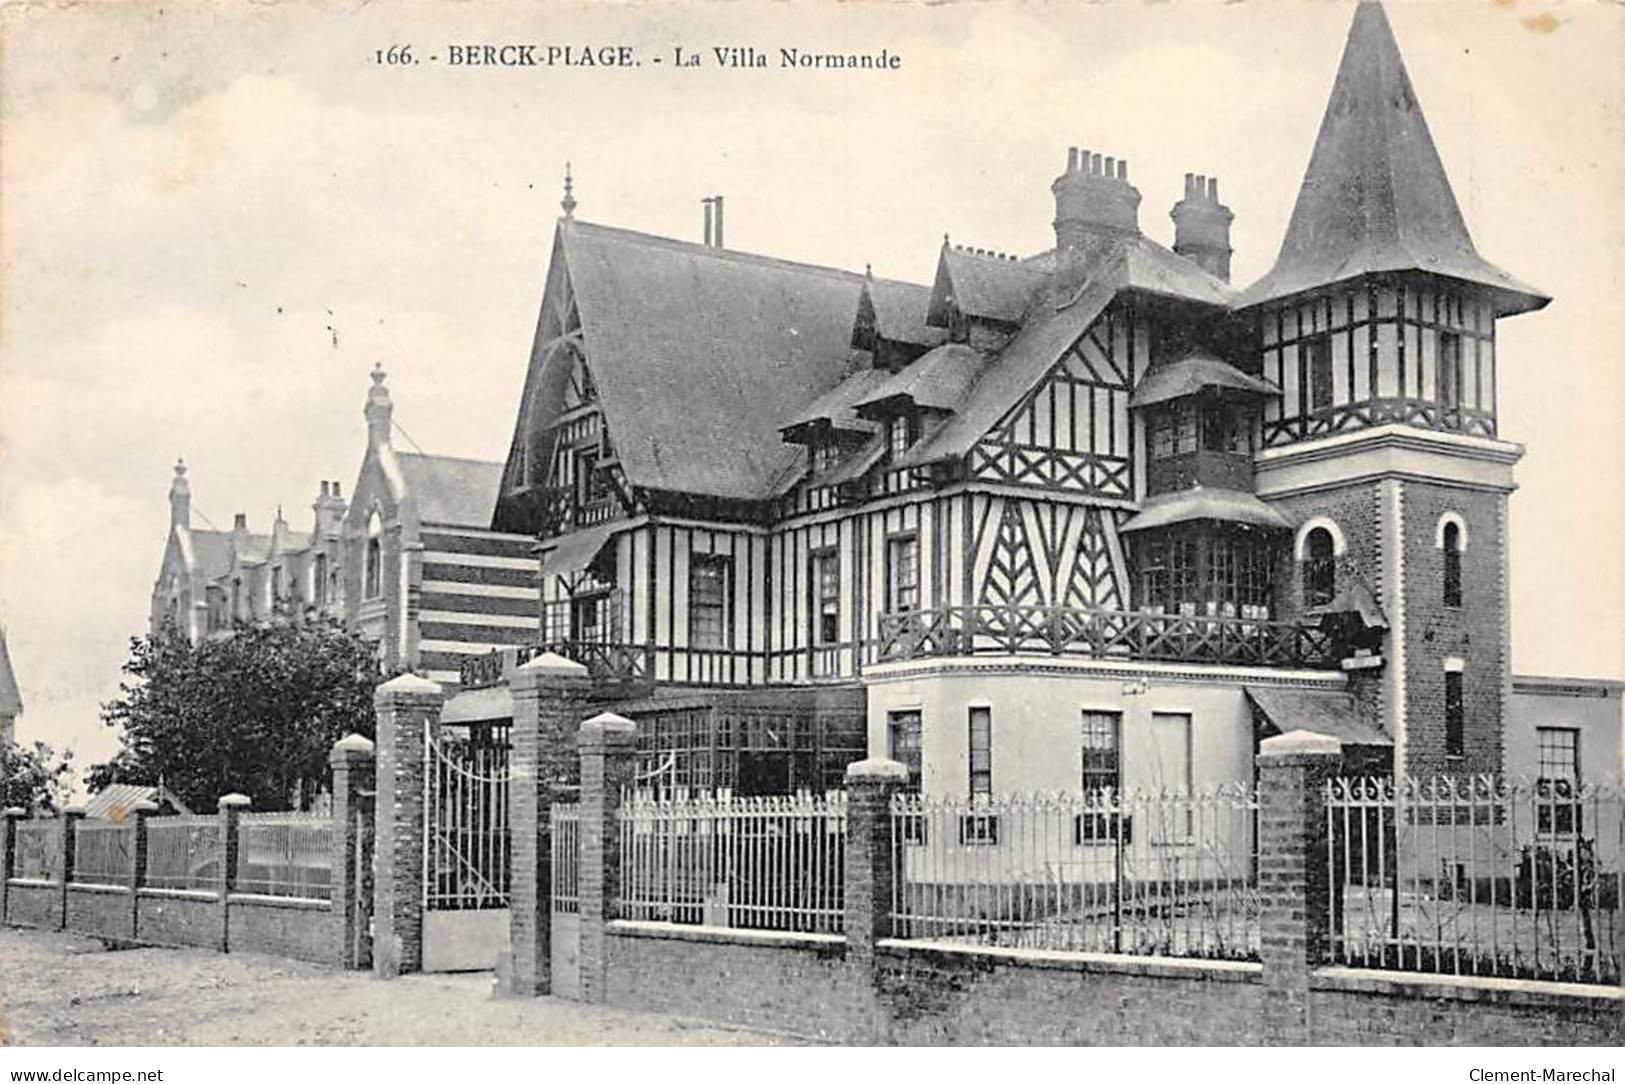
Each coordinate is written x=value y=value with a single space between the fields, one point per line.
x=14 y=813
x=607 y=729
x=1298 y=745
x=876 y=769
x=235 y=801
x=549 y=668
x=351 y=749
x=407 y=686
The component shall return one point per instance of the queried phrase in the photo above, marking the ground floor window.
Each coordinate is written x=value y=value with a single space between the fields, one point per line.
x=1558 y=783
x=903 y=741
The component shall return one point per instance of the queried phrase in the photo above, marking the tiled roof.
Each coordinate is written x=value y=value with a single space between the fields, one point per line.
x=11 y=698
x=700 y=354
x=939 y=380
x=211 y=550
x=1375 y=196
x=1333 y=714
x=983 y=285
x=451 y=491
x=1224 y=505
x=1191 y=374
x=900 y=312
x=115 y=801
x=835 y=406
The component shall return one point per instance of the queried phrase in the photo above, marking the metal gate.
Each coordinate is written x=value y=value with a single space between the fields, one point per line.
x=467 y=852
x=566 y=904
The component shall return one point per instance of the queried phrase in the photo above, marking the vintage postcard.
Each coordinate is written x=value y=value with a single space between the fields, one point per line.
x=628 y=524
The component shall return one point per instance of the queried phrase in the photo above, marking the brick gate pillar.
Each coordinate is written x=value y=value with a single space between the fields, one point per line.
x=870 y=870
x=548 y=694
x=608 y=745
x=66 y=855
x=8 y=855
x=353 y=762
x=229 y=809
x=1294 y=882
x=139 y=813
x=408 y=710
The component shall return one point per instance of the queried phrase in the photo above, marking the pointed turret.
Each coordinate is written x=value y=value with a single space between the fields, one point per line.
x=379 y=410
x=1375 y=197
x=180 y=497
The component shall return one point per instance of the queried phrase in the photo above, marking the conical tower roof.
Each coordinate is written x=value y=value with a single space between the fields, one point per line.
x=1375 y=197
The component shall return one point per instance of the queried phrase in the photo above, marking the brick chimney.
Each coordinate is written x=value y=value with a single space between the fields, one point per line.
x=329 y=509
x=1095 y=207
x=713 y=221
x=180 y=497
x=1202 y=226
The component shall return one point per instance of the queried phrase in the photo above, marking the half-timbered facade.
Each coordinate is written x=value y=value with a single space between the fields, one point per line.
x=1095 y=503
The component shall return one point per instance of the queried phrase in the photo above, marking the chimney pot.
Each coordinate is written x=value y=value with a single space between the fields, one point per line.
x=1213 y=189
x=1072 y=159
x=1111 y=167
x=335 y=489
x=241 y=521
x=719 y=220
x=1122 y=169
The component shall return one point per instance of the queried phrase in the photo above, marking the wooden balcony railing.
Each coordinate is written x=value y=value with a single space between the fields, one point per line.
x=606 y=663
x=1112 y=634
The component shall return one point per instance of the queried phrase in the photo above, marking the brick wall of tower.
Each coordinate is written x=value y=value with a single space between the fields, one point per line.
x=1472 y=632
x=1355 y=509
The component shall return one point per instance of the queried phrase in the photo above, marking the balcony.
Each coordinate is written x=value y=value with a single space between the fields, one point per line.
x=1102 y=634
x=612 y=667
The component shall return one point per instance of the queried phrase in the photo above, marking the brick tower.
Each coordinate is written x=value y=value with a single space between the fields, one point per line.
x=1378 y=323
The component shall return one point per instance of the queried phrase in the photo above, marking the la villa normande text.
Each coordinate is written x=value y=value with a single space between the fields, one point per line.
x=735 y=57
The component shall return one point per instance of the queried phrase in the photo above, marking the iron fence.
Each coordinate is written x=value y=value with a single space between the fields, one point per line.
x=39 y=850
x=770 y=863
x=285 y=854
x=467 y=846
x=1143 y=873
x=566 y=858
x=184 y=853
x=102 y=853
x=1477 y=876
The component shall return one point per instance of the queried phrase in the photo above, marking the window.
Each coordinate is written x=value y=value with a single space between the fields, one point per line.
x=319 y=579
x=903 y=738
x=900 y=434
x=826 y=576
x=372 y=567
x=1182 y=575
x=1319 y=568
x=981 y=753
x=1455 y=715
x=1226 y=428
x=1319 y=350
x=1102 y=781
x=236 y=600
x=1449 y=370
x=1171 y=773
x=1452 y=565
x=980 y=828
x=825 y=454
x=903 y=574
x=276 y=585
x=708 y=576
x=1558 y=783
x=1153 y=569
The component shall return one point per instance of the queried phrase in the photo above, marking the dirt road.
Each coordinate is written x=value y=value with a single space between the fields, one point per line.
x=66 y=990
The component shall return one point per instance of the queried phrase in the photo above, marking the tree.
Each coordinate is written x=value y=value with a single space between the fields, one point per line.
x=34 y=779
x=255 y=712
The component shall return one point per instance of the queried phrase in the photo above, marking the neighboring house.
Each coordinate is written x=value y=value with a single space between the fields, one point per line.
x=1569 y=729
x=1092 y=517
x=115 y=801
x=410 y=561
x=11 y=698
x=424 y=574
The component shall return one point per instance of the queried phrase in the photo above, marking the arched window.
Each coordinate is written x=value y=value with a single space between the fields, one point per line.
x=1319 y=568
x=372 y=566
x=1452 y=565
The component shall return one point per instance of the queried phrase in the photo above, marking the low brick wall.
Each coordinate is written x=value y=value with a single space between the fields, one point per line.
x=300 y=929
x=929 y=995
x=1348 y=1006
x=34 y=903
x=101 y=911
x=178 y=919
x=793 y=984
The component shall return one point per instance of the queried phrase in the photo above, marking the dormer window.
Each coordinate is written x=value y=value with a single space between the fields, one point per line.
x=1319 y=568
x=900 y=434
x=825 y=455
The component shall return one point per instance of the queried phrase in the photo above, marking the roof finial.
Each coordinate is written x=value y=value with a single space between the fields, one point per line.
x=569 y=200
x=180 y=467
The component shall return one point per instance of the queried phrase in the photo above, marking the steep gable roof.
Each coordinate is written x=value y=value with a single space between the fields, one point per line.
x=451 y=491
x=700 y=354
x=938 y=381
x=11 y=698
x=983 y=284
x=901 y=310
x=835 y=407
x=1375 y=197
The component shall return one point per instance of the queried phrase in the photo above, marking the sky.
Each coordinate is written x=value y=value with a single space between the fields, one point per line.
x=215 y=218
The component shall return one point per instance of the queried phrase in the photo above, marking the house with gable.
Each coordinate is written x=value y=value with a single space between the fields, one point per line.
x=1095 y=516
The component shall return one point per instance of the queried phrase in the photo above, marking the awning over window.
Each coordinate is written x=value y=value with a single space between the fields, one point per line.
x=573 y=552
x=1194 y=374
x=1323 y=712
x=1225 y=505
x=478 y=706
